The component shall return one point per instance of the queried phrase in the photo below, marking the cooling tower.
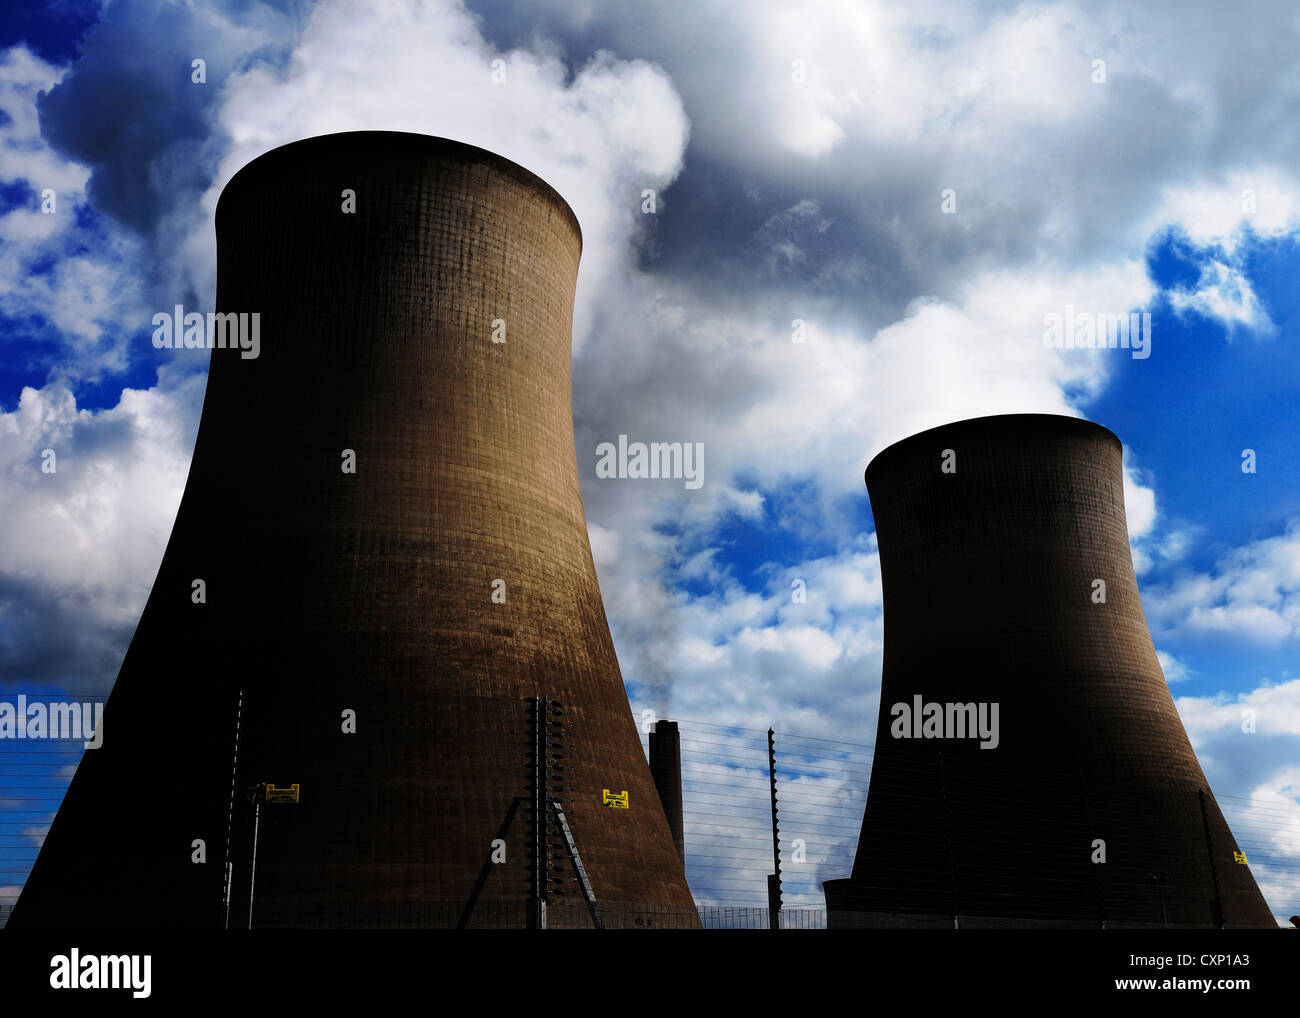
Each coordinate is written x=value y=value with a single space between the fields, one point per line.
x=399 y=611
x=1030 y=766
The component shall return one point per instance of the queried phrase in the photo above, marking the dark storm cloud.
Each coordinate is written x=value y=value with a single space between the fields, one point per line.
x=51 y=30
x=1042 y=170
x=129 y=110
x=725 y=237
x=55 y=640
x=103 y=436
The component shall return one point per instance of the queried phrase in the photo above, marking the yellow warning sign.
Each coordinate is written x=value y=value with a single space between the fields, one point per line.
x=288 y=793
x=1240 y=857
x=618 y=800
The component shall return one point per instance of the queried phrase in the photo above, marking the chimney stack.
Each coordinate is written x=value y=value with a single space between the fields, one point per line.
x=666 y=770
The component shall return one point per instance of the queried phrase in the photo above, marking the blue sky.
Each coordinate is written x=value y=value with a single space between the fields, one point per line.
x=798 y=154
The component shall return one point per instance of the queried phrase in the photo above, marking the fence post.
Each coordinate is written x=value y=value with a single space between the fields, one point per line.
x=947 y=828
x=774 y=879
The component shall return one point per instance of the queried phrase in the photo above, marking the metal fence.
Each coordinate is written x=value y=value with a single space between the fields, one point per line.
x=821 y=789
x=34 y=775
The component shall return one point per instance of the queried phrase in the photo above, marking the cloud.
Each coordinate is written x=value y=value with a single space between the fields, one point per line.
x=36 y=834
x=786 y=233
x=727 y=814
x=131 y=110
x=1224 y=293
x=1280 y=801
x=896 y=103
x=1175 y=670
x=1139 y=502
x=792 y=425
x=83 y=540
x=1252 y=591
x=160 y=146
x=61 y=286
x=1249 y=741
x=805 y=656
x=1222 y=210
x=1274 y=711
x=600 y=139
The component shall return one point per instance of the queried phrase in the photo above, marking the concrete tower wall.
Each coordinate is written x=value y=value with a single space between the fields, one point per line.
x=373 y=592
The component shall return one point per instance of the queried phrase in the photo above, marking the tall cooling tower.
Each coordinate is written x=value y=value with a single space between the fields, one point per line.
x=1008 y=581
x=399 y=611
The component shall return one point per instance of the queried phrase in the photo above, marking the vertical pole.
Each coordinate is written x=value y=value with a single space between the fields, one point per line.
x=537 y=906
x=230 y=881
x=947 y=828
x=774 y=880
x=1160 y=881
x=1216 y=909
x=230 y=816
x=252 y=873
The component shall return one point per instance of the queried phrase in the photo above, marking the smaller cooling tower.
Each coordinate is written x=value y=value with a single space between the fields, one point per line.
x=1009 y=585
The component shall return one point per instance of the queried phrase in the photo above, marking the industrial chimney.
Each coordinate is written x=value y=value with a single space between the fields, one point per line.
x=666 y=769
x=379 y=588
x=1030 y=766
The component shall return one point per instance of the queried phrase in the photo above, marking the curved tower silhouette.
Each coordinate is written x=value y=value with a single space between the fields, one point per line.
x=1008 y=581
x=384 y=509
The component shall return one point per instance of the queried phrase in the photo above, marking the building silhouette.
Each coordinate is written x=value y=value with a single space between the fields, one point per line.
x=1008 y=580
x=399 y=611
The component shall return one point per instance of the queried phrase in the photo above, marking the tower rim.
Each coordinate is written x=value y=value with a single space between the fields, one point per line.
x=990 y=423
x=400 y=141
